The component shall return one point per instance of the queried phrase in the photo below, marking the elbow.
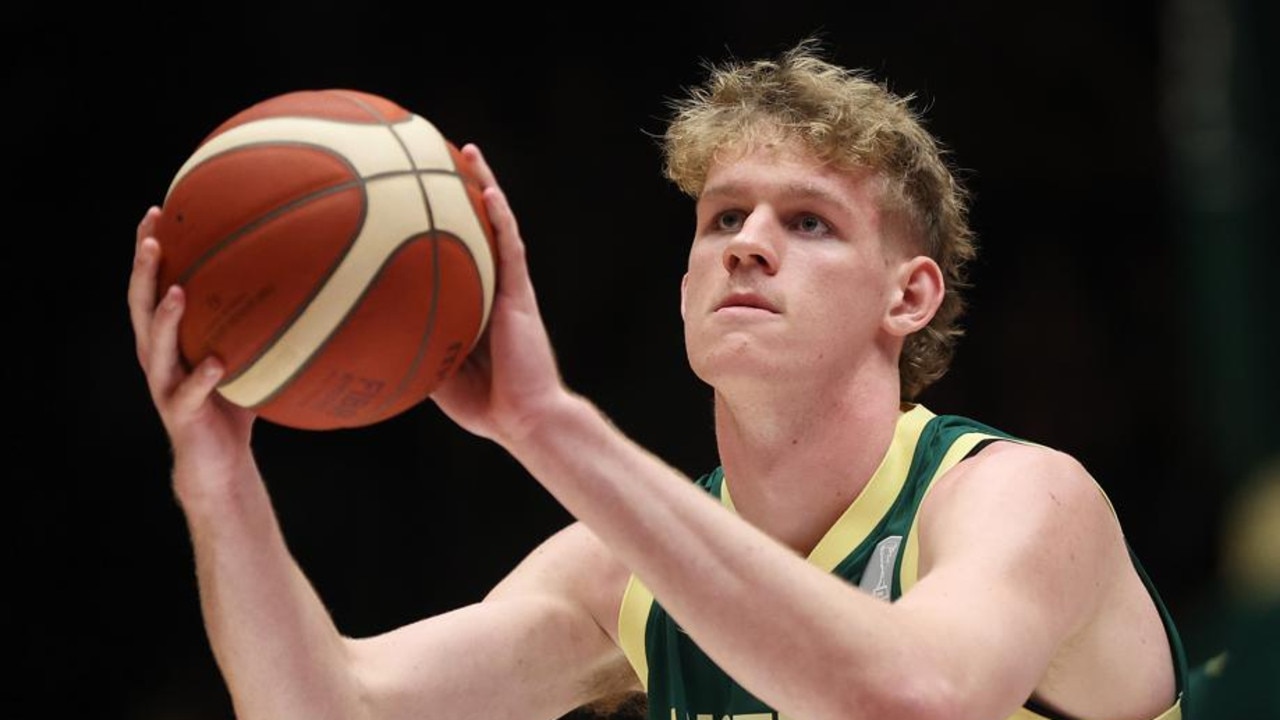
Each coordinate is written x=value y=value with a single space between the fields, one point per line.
x=912 y=696
x=929 y=698
x=363 y=686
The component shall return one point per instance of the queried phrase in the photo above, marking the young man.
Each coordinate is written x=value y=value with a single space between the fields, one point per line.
x=854 y=556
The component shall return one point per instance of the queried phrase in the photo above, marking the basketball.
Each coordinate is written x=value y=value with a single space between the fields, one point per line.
x=336 y=255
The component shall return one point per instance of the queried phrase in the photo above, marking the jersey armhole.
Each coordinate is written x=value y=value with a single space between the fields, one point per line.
x=964 y=446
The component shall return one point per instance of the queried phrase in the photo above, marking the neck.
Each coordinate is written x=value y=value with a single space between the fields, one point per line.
x=794 y=460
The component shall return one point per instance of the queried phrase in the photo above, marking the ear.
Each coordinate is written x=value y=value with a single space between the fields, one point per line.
x=917 y=294
x=684 y=293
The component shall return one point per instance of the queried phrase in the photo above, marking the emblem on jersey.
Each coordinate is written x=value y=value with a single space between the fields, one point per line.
x=877 y=578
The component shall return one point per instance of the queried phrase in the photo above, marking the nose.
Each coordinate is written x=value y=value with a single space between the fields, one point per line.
x=755 y=244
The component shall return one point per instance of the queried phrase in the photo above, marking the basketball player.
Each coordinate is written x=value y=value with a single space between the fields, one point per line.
x=853 y=556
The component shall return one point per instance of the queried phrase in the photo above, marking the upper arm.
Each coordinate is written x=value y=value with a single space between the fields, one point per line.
x=535 y=647
x=1016 y=544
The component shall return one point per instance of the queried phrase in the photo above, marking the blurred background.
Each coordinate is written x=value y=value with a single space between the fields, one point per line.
x=1123 y=162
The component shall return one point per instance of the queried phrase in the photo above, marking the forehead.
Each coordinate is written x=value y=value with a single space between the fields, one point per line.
x=788 y=169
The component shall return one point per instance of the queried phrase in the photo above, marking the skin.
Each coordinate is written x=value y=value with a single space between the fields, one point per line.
x=796 y=302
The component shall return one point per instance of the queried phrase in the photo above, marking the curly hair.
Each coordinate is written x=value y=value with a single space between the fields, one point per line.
x=845 y=118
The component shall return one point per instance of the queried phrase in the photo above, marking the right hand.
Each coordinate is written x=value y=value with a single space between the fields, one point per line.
x=208 y=434
x=508 y=382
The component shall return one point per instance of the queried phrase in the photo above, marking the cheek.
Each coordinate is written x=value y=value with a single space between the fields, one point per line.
x=844 y=299
x=701 y=254
x=703 y=265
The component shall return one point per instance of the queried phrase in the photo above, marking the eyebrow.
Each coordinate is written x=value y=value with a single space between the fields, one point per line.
x=790 y=191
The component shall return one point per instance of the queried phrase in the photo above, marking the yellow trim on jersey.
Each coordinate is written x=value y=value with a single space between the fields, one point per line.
x=632 y=619
x=857 y=522
x=871 y=505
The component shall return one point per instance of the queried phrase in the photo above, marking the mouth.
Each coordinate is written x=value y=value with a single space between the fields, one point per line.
x=746 y=300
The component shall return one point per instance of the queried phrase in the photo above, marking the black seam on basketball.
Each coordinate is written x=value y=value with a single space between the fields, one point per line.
x=432 y=234
x=355 y=305
x=432 y=313
x=277 y=211
x=362 y=104
x=274 y=338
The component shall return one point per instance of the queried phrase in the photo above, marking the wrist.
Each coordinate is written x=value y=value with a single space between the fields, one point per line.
x=210 y=489
x=552 y=416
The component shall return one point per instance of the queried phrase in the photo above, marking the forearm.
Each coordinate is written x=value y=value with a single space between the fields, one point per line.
x=274 y=642
x=779 y=625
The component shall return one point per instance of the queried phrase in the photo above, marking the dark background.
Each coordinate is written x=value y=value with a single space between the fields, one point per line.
x=1122 y=161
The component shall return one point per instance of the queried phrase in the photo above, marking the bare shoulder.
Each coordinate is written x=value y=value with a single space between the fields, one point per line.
x=1003 y=458
x=1030 y=513
x=1029 y=533
x=1032 y=478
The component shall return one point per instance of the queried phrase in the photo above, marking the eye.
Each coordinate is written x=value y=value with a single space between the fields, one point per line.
x=730 y=221
x=808 y=224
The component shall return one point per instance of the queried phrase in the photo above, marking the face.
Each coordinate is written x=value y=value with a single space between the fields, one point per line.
x=790 y=276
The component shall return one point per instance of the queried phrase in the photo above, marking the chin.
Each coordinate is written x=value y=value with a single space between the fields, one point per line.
x=724 y=362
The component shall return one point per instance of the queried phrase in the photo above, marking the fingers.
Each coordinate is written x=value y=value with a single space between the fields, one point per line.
x=495 y=199
x=191 y=394
x=147 y=225
x=179 y=396
x=162 y=360
x=142 y=282
x=480 y=165
x=164 y=327
x=156 y=320
x=513 y=272
x=513 y=269
x=173 y=388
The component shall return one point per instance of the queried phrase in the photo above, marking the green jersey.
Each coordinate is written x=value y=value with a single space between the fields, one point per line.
x=874 y=545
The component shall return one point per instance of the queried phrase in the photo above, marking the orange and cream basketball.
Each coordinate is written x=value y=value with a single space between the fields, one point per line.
x=336 y=255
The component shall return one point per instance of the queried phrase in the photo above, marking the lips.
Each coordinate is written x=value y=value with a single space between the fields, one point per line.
x=746 y=300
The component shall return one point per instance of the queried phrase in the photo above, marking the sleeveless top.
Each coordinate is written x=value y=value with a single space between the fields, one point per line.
x=874 y=545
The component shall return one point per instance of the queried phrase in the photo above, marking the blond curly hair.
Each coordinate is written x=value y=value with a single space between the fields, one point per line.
x=845 y=118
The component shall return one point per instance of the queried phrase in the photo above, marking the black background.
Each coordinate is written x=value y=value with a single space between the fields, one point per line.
x=1086 y=329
